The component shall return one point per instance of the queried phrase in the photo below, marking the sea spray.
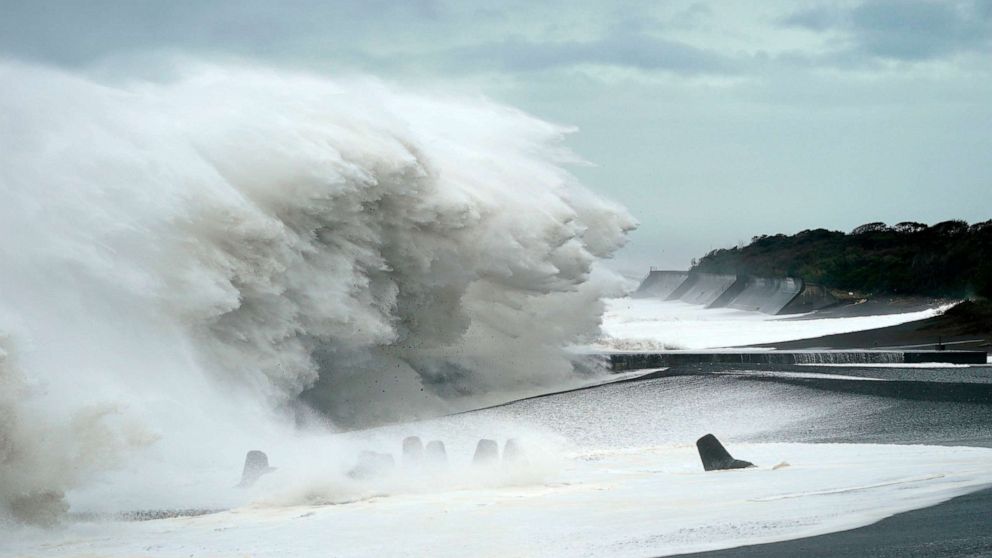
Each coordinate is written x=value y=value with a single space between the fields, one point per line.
x=185 y=261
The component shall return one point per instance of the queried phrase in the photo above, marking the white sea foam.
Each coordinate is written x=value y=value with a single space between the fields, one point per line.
x=617 y=460
x=643 y=324
x=646 y=502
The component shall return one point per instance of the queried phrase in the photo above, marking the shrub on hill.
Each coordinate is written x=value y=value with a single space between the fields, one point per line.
x=949 y=259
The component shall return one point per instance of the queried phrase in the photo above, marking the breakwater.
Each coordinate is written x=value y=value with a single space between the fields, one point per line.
x=771 y=295
x=621 y=362
x=660 y=284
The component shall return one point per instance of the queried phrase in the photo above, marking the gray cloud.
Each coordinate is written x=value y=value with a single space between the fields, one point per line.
x=623 y=47
x=904 y=30
x=817 y=18
x=70 y=32
x=919 y=30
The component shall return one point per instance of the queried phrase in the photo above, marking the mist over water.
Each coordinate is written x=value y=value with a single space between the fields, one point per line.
x=234 y=257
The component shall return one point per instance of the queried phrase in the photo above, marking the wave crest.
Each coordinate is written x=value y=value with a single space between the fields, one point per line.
x=237 y=235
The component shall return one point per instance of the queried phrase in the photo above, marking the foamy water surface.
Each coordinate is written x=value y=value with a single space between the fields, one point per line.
x=650 y=324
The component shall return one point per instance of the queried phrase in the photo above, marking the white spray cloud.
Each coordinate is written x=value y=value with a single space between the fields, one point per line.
x=191 y=257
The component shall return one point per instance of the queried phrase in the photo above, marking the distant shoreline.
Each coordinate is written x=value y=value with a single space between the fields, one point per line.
x=967 y=326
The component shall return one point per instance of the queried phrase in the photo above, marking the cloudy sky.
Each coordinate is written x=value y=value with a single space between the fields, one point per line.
x=712 y=121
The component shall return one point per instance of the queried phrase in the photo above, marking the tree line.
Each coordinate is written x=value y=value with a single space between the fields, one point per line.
x=948 y=259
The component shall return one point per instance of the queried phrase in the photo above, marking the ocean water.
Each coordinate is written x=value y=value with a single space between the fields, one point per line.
x=609 y=471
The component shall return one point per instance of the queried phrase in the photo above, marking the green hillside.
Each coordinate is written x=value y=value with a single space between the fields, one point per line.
x=949 y=259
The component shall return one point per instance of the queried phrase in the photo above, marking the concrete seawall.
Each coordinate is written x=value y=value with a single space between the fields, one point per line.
x=635 y=361
x=770 y=295
x=684 y=287
x=809 y=299
x=706 y=288
x=733 y=291
x=661 y=284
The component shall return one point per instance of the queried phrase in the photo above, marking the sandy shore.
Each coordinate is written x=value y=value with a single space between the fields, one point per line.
x=956 y=528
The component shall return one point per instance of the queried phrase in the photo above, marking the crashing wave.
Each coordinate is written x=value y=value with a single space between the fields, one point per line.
x=198 y=255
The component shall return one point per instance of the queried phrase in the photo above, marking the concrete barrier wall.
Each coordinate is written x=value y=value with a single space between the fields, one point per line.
x=660 y=284
x=768 y=295
x=684 y=287
x=621 y=362
x=809 y=299
x=732 y=292
x=771 y=295
x=707 y=288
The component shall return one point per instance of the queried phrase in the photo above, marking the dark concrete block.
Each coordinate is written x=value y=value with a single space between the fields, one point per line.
x=486 y=452
x=413 y=450
x=435 y=453
x=256 y=465
x=372 y=464
x=715 y=457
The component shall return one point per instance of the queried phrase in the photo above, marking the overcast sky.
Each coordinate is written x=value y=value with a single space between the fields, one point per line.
x=712 y=121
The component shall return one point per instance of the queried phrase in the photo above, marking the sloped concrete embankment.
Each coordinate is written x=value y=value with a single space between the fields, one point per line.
x=660 y=283
x=771 y=295
x=768 y=295
x=809 y=299
x=705 y=288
